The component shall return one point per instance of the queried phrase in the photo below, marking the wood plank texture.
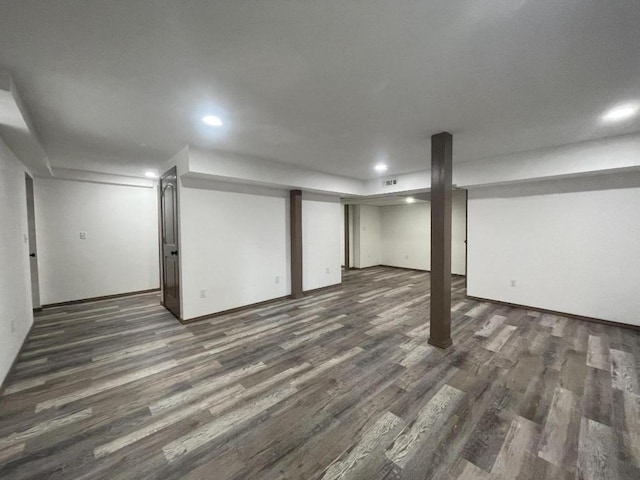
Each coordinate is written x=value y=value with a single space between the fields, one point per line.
x=340 y=384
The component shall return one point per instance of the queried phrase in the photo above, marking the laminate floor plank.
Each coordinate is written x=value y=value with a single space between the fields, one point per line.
x=518 y=450
x=598 y=353
x=623 y=371
x=597 y=457
x=338 y=384
x=558 y=444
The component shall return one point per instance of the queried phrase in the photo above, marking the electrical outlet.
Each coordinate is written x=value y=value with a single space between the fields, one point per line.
x=513 y=283
x=406 y=257
x=277 y=279
x=203 y=293
x=13 y=326
x=328 y=270
x=83 y=235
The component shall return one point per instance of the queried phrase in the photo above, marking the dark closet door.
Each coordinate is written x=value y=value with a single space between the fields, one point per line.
x=33 y=257
x=170 y=261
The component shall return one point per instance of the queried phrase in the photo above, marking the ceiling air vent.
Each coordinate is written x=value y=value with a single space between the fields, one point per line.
x=389 y=182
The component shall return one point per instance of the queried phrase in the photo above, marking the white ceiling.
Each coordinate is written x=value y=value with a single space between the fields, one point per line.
x=334 y=85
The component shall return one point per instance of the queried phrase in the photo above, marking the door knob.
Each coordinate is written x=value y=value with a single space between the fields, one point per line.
x=174 y=252
x=33 y=255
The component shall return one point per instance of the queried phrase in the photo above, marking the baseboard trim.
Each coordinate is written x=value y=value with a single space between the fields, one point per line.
x=97 y=299
x=15 y=360
x=257 y=304
x=407 y=268
x=313 y=291
x=234 y=310
x=388 y=266
x=561 y=314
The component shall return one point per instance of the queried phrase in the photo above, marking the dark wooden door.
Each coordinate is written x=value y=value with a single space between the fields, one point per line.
x=33 y=254
x=170 y=247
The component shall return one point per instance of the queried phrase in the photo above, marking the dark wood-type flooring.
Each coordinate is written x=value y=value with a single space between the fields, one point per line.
x=339 y=384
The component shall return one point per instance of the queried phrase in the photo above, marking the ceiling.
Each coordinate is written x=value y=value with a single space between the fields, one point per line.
x=332 y=85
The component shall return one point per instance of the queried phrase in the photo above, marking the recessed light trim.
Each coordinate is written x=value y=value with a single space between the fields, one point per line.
x=620 y=113
x=150 y=174
x=380 y=167
x=212 y=120
x=410 y=200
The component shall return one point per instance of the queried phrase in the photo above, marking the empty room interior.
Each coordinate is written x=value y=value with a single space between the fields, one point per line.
x=334 y=239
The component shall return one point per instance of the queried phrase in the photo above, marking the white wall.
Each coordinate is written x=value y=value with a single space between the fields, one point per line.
x=575 y=252
x=369 y=229
x=322 y=248
x=234 y=243
x=458 y=232
x=120 y=253
x=16 y=315
x=405 y=234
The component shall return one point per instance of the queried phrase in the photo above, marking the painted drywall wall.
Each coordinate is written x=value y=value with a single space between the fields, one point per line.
x=322 y=241
x=405 y=234
x=573 y=252
x=458 y=232
x=120 y=252
x=234 y=245
x=16 y=315
x=368 y=229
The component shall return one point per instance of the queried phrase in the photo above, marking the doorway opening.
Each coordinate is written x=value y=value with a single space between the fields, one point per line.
x=395 y=230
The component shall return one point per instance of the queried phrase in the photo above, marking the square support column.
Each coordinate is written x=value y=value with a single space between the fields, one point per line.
x=441 y=189
x=295 y=226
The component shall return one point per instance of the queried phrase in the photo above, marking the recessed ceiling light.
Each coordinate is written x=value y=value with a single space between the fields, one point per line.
x=150 y=174
x=381 y=167
x=410 y=200
x=212 y=120
x=620 y=113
